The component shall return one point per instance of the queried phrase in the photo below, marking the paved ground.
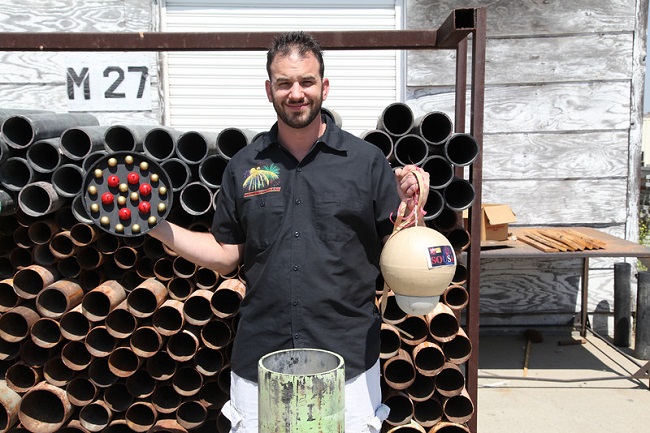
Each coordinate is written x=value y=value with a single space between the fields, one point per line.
x=575 y=388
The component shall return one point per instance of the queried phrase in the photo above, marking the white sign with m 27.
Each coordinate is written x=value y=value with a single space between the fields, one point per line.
x=108 y=81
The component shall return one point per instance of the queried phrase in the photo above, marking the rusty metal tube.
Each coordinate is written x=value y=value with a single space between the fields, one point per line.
x=178 y=171
x=390 y=341
x=428 y=413
x=183 y=345
x=399 y=371
x=461 y=149
x=99 y=373
x=180 y=288
x=196 y=198
x=10 y=404
x=461 y=274
x=396 y=119
x=197 y=309
x=39 y=198
x=193 y=147
x=410 y=149
x=445 y=221
x=401 y=408
x=161 y=366
x=44 y=408
x=141 y=416
x=58 y=298
x=123 y=361
x=232 y=140
x=191 y=414
x=165 y=398
x=95 y=416
x=187 y=381
x=160 y=143
x=43 y=256
x=120 y=323
x=226 y=300
x=393 y=314
x=140 y=384
x=216 y=334
x=459 y=238
x=167 y=426
x=8 y=203
x=434 y=205
x=208 y=361
x=380 y=139
x=183 y=268
x=414 y=330
x=99 y=342
x=74 y=325
x=211 y=395
x=107 y=244
x=45 y=333
x=458 y=408
x=117 y=397
x=125 y=257
x=16 y=323
x=89 y=257
x=16 y=173
x=443 y=324
x=143 y=301
x=206 y=278
x=79 y=211
x=163 y=268
x=450 y=380
x=21 y=377
x=145 y=341
x=153 y=248
x=44 y=156
x=440 y=170
x=422 y=388
x=9 y=350
x=81 y=391
x=83 y=234
x=21 y=130
x=21 y=237
x=61 y=245
x=211 y=170
x=78 y=142
x=33 y=355
x=449 y=427
x=8 y=297
x=459 y=194
x=75 y=355
x=169 y=318
x=125 y=137
x=57 y=373
x=67 y=180
x=97 y=303
x=455 y=297
x=428 y=358
x=90 y=278
x=19 y=258
x=434 y=127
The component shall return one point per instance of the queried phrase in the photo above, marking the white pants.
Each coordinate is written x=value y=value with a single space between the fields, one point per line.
x=364 y=412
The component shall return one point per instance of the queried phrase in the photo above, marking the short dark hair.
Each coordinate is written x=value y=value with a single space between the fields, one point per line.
x=299 y=41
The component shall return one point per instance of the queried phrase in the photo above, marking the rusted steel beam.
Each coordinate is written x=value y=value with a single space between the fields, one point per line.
x=459 y=24
x=210 y=41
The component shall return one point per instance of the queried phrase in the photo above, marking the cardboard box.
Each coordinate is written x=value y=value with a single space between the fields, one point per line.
x=495 y=220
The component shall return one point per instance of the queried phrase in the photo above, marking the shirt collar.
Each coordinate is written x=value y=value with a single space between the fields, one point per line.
x=331 y=138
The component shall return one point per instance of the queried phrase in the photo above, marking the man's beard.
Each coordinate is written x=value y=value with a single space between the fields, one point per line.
x=300 y=120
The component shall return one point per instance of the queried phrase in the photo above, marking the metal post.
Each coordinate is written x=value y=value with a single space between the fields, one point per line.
x=622 y=304
x=642 y=339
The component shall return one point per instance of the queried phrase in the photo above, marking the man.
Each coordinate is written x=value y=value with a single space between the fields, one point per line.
x=305 y=209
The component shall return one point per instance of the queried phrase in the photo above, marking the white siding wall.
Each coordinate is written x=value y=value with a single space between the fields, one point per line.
x=210 y=91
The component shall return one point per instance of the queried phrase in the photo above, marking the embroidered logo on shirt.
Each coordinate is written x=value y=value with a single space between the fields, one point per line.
x=261 y=180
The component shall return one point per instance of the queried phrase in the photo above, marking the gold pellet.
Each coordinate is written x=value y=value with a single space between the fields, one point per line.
x=134 y=196
x=128 y=159
x=152 y=220
x=162 y=190
x=119 y=228
x=121 y=200
x=144 y=165
x=162 y=207
x=123 y=187
x=98 y=173
x=94 y=208
x=135 y=228
x=92 y=190
x=154 y=177
x=112 y=162
x=105 y=220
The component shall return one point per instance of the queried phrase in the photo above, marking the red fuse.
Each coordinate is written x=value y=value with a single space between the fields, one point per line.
x=107 y=198
x=133 y=178
x=113 y=181
x=124 y=214
x=144 y=207
x=145 y=189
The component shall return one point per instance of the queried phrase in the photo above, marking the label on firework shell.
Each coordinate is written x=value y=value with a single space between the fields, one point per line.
x=441 y=256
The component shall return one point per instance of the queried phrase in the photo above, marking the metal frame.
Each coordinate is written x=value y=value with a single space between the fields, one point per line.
x=453 y=34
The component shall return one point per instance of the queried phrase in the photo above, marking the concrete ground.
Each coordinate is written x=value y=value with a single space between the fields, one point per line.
x=568 y=388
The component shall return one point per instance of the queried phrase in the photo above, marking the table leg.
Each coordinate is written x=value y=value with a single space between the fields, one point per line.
x=584 y=297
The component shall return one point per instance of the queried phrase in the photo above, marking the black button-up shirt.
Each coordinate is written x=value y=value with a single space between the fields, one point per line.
x=313 y=235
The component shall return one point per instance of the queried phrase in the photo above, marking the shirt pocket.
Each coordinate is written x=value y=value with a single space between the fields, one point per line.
x=263 y=216
x=336 y=217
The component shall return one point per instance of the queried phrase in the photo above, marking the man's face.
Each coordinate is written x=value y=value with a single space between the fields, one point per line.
x=296 y=89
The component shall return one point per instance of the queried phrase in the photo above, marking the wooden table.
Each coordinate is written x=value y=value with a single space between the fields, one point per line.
x=614 y=247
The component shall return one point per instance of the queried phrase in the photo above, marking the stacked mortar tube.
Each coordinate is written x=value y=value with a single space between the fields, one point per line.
x=115 y=332
x=422 y=357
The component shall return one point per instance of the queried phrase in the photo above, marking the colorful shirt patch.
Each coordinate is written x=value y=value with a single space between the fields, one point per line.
x=261 y=180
